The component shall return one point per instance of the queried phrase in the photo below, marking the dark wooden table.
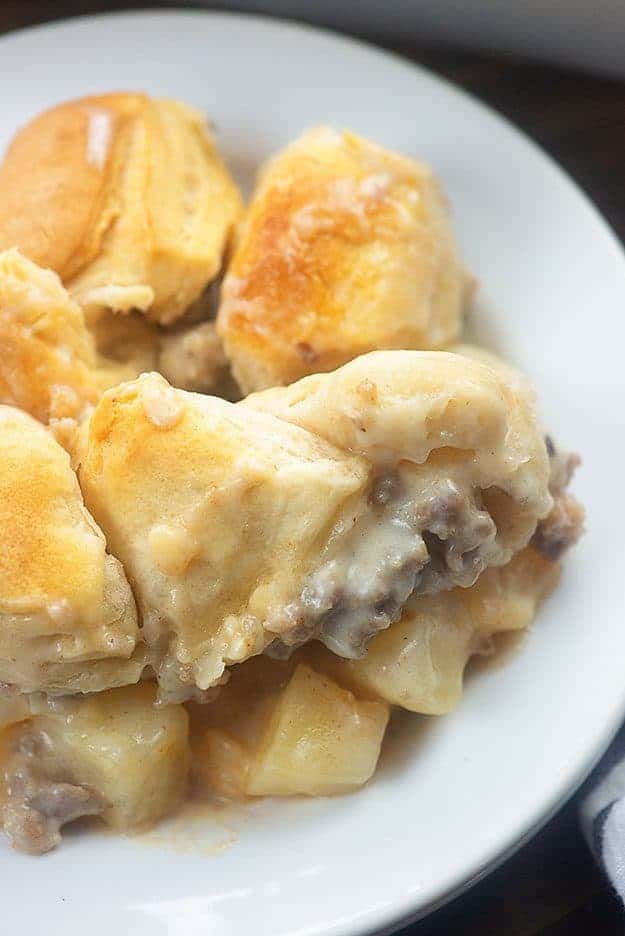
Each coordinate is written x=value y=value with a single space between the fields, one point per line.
x=551 y=885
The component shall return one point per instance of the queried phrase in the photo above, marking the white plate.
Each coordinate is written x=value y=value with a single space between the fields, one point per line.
x=459 y=792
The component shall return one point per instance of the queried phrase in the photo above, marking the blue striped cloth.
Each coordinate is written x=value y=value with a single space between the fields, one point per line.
x=602 y=813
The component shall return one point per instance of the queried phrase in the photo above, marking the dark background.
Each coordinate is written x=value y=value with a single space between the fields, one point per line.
x=551 y=885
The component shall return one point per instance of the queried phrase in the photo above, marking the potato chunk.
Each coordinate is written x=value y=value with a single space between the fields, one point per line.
x=280 y=728
x=133 y=755
x=225 y=733
x=418 y=662
x=320 y=740
x=220 y=764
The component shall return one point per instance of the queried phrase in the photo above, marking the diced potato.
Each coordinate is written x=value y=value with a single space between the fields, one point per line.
x=507 y=598
x=280 y=728
x=319 y=740
x=225 y=732
x=118 y=744
x=245 y=701
x=13 y=709
x=220 y=764
x=418 y=662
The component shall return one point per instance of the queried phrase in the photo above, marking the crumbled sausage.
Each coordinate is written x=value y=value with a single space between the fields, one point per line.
x=561 y=528
x=408 y=544
x=195 y=360
x=565 y=523
x=36 y=806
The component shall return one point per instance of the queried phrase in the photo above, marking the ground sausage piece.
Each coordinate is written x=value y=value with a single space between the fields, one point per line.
x=565 y=523
x=413 y=541
x=195 y=360
x=36 y=807
x=561 y=529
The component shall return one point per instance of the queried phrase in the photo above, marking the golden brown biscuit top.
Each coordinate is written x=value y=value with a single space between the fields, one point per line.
x=52 y=556
x=64 y=161
x=125 y=197
x=346 y=248
x=48 y=360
